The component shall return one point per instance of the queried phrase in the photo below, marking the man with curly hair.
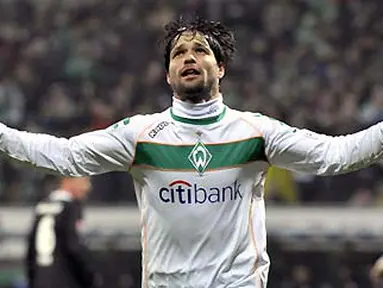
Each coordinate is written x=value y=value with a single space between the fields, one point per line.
x=199 y=167
x=197 y=78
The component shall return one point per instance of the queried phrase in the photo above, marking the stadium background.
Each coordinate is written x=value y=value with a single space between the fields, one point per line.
x=69 y=66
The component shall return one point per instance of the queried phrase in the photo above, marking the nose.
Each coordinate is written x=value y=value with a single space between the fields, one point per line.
x=190 y=59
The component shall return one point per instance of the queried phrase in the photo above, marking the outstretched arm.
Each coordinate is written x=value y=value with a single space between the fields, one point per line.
x=305 y=151
x=86 y=154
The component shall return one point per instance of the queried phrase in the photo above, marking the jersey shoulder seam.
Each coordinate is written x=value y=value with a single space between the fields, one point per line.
x=244 y=116
x=155 y=117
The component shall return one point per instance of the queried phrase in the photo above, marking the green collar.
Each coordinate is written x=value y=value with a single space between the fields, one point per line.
x=202 y=121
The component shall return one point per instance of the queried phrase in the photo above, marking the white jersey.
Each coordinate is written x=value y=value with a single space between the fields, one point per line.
x=199 y=183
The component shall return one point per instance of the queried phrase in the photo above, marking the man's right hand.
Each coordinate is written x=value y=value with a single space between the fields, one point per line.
x=377 y=273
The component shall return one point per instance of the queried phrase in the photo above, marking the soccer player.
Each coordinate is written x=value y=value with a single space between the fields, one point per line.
x=56 y=256
x=199 y=166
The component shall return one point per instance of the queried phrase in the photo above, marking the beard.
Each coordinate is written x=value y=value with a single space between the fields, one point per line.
x=193 y=92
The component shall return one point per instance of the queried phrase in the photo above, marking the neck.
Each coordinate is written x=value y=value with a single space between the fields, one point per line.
x=201 y=96
x=205 y=109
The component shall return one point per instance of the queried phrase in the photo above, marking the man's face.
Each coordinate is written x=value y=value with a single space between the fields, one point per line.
x=81 y=187
x=194 y=73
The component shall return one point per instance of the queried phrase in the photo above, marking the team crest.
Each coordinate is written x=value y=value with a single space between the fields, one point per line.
x=200 y=157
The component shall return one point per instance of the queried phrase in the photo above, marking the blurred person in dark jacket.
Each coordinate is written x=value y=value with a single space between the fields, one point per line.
x=56 y=255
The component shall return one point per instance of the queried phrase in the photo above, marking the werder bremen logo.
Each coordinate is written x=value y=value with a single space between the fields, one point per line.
x=200 y=157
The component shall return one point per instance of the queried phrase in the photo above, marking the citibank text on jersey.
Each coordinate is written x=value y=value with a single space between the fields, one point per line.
x=183 y=192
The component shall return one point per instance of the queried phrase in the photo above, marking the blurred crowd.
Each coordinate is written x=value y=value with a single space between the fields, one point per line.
x=72 y=66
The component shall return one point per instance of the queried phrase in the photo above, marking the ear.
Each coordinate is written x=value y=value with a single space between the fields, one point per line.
x=221 y=71
x=167 y=78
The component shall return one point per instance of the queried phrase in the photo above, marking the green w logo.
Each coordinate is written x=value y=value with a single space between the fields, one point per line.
x=200 y=157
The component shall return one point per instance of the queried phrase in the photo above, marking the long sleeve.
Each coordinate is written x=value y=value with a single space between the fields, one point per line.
x=90 y=153
x=305 y=151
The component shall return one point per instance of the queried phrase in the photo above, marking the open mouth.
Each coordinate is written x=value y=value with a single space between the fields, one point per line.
x=190 y=72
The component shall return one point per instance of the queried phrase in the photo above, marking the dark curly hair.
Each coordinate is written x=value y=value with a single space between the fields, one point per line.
x=220 y=38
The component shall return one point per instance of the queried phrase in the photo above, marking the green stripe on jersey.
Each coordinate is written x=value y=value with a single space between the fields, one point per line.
x=203 y=121
x=171 y=157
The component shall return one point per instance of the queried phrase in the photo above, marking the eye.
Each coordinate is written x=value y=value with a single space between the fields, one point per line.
x=200 y=50
x=178 y=53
